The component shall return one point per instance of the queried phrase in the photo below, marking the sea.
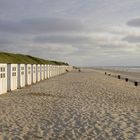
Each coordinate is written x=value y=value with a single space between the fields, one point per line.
x=122 y=68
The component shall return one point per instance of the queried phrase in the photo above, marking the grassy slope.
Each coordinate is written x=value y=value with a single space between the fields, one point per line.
x=26 y=59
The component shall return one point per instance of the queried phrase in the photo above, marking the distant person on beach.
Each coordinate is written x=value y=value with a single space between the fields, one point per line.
x=79 y=70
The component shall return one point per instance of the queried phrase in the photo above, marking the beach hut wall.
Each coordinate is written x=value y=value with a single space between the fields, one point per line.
x=52 y=70
x=28 y=74
x=12 y=76
x=21 y=75
x=38 y=73
x=42 y=72
x=3 y=78
x=45 y=71
x=56 y=70
x=34 y=74
x=48 y=71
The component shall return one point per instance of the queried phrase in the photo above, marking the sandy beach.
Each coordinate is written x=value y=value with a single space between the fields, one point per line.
x=85 y=105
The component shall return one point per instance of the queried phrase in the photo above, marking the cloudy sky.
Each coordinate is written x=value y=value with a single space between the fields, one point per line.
x=80 y=32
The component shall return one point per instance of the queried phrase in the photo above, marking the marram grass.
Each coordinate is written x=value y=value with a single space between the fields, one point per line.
x=25 y=59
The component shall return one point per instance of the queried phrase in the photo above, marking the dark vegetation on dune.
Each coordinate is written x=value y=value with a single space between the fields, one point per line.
x=25 y=59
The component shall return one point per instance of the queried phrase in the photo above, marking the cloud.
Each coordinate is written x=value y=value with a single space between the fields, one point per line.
x=61 y=30
x=42 y=25
x=15 y=48
x=132 y=39
x=64 y=39
x=134 y=22
x=52 y=51
x=120 y=48
x=5 y=41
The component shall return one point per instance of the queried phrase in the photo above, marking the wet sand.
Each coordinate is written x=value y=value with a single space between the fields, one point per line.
x=83 y=105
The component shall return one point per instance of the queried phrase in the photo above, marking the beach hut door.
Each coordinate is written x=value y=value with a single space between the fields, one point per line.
x=3 y=80
x=14 y=76
x=22 y=76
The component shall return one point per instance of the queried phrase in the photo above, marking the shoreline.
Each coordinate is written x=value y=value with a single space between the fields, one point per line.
x=133 y=75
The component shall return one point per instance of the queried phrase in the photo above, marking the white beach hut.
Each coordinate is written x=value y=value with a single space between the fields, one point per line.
x=58 y=70
x=54 y=68
x=34 y=78
x=42 y=72
x=38 y=73
x=50 y=71
x=45 y=68
x=3 y=78
x=54 y=71
x=21 y=75
x=12 y=76
x=47 y=71
x=28 y=74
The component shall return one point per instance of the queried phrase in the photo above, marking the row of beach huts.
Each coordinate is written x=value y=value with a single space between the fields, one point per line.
x=14 y=76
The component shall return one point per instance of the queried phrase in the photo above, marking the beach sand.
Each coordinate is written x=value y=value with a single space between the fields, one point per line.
x=83 y=105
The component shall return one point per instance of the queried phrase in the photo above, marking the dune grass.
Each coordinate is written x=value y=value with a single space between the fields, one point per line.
x=25 y=59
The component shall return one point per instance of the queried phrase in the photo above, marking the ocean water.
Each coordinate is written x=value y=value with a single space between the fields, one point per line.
x=131 y=72
x=123 y=68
